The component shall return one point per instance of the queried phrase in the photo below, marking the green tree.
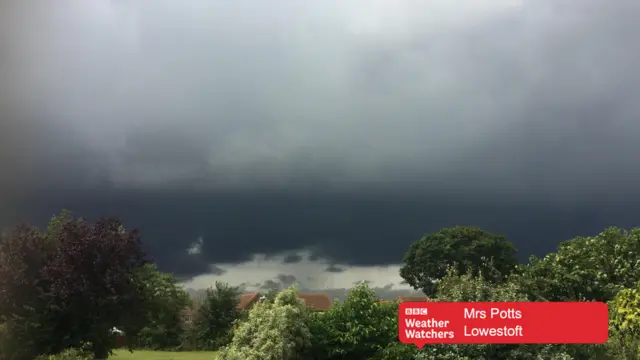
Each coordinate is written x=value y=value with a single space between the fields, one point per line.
x=467 y=287
x=361 y=327
x=465 y=248
x=216 y=316
x=166 y=300
x=586 y=268
x=24 y=305
x=272 y=294
x=273 y=331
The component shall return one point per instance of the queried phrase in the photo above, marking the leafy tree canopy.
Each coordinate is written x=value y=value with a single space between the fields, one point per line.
x=166 y=300
x=216 y=316
x=358 y=328
x=465 y=248
x=586 y=268
x=24 y=304
x=70 y=285
x=92 y=281
x=469 y=288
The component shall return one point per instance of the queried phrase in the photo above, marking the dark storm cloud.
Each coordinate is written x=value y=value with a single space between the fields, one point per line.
x=245 y=285
x=346 y=127
x=282 y=281
x=292 y=259
x=334 y=269
x=214 y=270
x=313 y=257
x=363 y=229
x=387 y=292
x=341 y=294
x=287 y=279
x=271 y=285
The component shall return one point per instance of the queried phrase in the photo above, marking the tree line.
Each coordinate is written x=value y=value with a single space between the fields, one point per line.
x=65 y=288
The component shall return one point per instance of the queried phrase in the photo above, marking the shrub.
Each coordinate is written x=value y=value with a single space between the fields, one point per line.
x=467 y=287
x=397 y=351
x=624 y=323
x=358 y=328
x=273 y=331
x=15 y=343
x=69 y=354
x=625 y=312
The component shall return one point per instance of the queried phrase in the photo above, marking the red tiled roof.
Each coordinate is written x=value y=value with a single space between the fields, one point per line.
x=247 y=300
x=316 y=301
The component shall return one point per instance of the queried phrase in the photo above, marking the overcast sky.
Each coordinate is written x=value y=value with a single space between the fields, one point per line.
x=346 y=128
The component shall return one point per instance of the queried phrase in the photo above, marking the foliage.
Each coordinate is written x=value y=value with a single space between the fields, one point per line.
x=586 y=268
x=625 y=312
x=216 y=316
x=165 y=302
x=24 y=306
x=468 y=288
x=68 y=286
x=624 y=322
x=358 y=328
x=545 y=352
x=273 y=331
x=466 y=248
x=68 y=354
x=122 y=354
x=397 y=351
x=92 y=279
x=271 y=295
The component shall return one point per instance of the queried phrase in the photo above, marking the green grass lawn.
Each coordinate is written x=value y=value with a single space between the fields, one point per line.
x=163 y=355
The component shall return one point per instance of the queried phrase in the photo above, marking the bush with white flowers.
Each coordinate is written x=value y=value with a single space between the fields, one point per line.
x=275 y=330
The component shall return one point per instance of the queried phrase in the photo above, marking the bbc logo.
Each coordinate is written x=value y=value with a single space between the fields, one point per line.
x=415 y=311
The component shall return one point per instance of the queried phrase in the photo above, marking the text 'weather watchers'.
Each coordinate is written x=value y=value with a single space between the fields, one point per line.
x=424 y=323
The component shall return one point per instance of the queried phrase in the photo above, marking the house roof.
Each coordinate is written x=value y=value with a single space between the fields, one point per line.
x=248 y=299
x=412 y=298
x=316 y=301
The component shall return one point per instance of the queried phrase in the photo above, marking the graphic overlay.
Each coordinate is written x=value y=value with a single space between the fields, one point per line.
x=424 y=323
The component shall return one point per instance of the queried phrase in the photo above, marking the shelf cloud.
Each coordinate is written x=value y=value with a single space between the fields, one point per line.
x=343 y=128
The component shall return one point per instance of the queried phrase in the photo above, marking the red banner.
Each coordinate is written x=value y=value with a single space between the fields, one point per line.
x=424 y=323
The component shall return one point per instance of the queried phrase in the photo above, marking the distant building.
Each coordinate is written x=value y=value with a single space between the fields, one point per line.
x=248 y=300
x=317 y=302
x=188 y=316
